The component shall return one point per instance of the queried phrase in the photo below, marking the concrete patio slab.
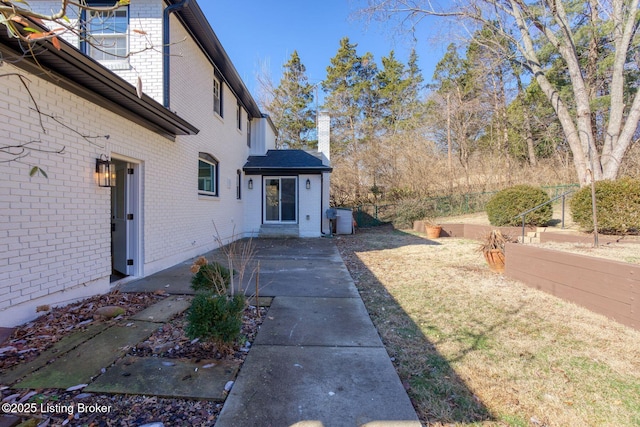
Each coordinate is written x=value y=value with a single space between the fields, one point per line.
x=338 y=387
x=176 y=378
x=164 y=310
x=309 y=321
x=306 y=283
x=174 y=280
x=63 y=346
x=293 y=249
x=83 y=363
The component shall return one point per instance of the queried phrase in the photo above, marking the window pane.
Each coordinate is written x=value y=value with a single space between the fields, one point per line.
x=216 y=96
x=206 y=177
x=108 y=48
x=107 y=34
x=272 y=198
x=108 y=22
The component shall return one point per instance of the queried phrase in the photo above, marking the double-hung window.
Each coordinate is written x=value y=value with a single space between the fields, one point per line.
x=207 y=175
x=217 y=96
x=249 y=132
x=106 y=32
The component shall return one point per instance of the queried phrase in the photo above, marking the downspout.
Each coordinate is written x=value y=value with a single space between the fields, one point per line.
x=166 y=49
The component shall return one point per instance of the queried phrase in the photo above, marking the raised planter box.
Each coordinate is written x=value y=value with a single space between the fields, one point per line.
x=607 y=287
x=604 y=286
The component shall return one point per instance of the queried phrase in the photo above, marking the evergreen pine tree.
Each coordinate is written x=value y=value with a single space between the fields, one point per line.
x=292 y=106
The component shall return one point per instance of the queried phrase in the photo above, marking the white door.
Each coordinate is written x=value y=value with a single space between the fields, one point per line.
x=280 y=200
x=120 y=219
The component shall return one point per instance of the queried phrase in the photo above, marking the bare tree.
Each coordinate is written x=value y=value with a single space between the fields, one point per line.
x=556 y=29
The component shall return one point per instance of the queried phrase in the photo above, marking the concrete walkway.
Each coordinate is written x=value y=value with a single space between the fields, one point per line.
x=318 y=359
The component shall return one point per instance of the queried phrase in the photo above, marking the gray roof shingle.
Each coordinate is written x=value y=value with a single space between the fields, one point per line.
x=285 y=161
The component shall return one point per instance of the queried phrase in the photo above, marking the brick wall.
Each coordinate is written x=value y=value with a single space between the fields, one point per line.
x=309 y=202
x=145 y=39
x=55 y=244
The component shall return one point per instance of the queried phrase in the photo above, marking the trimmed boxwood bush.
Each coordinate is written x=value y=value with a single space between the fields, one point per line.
x=617 y=206
x=505 y=205
x=216 y=318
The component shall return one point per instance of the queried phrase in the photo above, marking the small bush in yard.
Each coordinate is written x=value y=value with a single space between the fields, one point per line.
x=617 y=206
x=216 y=318
x=212 y=277
x=505 y=206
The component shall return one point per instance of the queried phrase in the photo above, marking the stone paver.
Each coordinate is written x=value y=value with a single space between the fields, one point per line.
x=66 y=344
x=164 y=310
x=83 y=363
x=156 y=376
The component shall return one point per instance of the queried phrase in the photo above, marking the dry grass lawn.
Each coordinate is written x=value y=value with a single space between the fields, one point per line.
x=474 y=348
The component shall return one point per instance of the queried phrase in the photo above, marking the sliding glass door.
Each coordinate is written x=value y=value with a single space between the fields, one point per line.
x=280 y=199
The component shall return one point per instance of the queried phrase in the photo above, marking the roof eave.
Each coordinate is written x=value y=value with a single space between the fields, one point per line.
x=197 y=24
x=72 y=70
x=250 y=170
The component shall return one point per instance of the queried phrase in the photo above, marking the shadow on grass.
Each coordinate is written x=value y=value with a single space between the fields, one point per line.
x=439 y=394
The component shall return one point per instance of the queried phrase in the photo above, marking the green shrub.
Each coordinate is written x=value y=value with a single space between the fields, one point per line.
x=212 y=277
x=410 y=210
x=216 y=318
x=505 y=206
x=617 y=206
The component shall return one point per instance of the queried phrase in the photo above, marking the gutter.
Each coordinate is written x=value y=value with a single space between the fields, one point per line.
x=166 y=49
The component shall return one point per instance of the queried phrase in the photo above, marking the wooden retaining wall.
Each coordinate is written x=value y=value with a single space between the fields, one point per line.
x=607 y=287
x=604 y=286
x=478 y=231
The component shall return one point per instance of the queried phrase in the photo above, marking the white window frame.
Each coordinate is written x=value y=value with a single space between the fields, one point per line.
x=98 y=44
x=217 y=96
x=208 y=159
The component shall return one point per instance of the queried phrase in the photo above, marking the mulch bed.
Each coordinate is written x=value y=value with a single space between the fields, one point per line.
x=169 y=340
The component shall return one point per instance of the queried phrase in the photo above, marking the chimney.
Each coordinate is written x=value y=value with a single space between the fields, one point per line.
x=324 y=134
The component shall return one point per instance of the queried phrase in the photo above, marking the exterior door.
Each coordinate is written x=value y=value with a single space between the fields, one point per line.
x=281 y=199
x=121 y=219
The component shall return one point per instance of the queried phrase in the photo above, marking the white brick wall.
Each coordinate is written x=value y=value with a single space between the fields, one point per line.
x=55 y=242
x=55 y=236
x=145 y=41
x=309 y=202
x=54 y=230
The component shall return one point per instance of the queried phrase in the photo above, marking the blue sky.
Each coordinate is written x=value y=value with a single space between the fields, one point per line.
x=262 y=32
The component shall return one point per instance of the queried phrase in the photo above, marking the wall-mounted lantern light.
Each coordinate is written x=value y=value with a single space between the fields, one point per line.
x=308 y=183
x=250 y=184
x=106 y=172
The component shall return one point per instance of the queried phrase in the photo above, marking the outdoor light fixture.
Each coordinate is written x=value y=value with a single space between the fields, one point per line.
x=250 y=184
x=106 y=172
x=308 y=184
